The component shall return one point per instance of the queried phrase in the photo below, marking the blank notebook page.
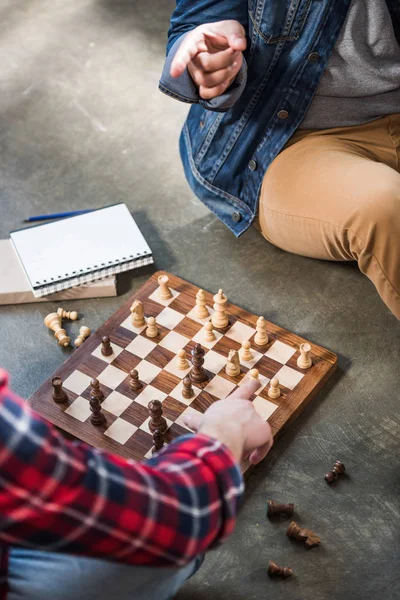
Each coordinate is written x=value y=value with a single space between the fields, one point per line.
x=79 y=245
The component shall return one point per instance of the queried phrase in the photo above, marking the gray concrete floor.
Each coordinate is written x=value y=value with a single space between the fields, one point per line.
x=83 y=125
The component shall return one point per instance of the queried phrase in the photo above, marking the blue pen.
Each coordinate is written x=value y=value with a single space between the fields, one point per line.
x=58 y=215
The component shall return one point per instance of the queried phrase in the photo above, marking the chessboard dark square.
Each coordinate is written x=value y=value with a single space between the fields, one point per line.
x=125 y=389
x=278 y=401
x=174 y=431
x=165 y=382
x=126 y=361
x=238 y=378
x=268 y=367
x=139 y=444
x=225 y=344
x=160 y=356
x=188 y=327
x=203 y=401
x=135 y=414
x=183 y=303
x=162 y=332
x=92 y=366
x=153 y=308
x=106 y=392
x=122 y=337
x=172 y=408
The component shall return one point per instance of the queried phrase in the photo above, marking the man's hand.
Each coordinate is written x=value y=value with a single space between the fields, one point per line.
x=213 y=55
x=235 y=422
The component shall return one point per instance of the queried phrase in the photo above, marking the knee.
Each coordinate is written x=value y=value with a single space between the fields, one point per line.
x=378 y=218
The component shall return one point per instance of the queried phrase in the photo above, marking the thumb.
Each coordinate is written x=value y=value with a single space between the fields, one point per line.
x=234 y=33
x=193 y=422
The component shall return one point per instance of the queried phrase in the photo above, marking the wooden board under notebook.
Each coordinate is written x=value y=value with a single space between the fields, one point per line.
x=126 y=428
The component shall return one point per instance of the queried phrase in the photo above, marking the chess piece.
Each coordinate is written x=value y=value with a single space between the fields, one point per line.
x=254 y=374
x=233 y=364
x=337 y=470
x=307 y=536
x=274 y=509
x=158 y=441
x=71 y=314
x=106 y=348
x=201 y=310
x=187 y=390
x=97 y=417
x=182 y=362
x=53 y=322
x=84 y=333
x=273 y=390
x=164 y=293
x=137 y=312
x=275 y=571
x=95 y=389
x=209 y=335
x=134 y=382
x=245 y=352
x=59 y=395
x=152 y=329
x=220 y=318
x=198 y=373
x=304 y=361
x=157 y=421
x=261 y=337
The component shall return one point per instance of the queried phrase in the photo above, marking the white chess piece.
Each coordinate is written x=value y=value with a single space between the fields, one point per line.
x=209 y=335
x=182 y=362
x=261 y=337
x=152 y=329
x=137 y=312
x=245 y=352
x=254 y=374
x=84 y=333
x=201 y=310
x=164 y=292
x=273 y=390
x=233 y=364
x=304 y=361
x=220 y=318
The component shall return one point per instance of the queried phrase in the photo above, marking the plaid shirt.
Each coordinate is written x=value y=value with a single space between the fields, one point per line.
x=69 y=497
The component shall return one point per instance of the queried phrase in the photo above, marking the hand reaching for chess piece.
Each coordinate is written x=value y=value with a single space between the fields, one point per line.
x=235 y=422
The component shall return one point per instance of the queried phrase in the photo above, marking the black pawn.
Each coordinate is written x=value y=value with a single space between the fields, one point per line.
x=187 y=390
x=158 y=440
x=95 y=389
x=157 y=421
x=198 y=373
x=97 y=417
x=106 y=348
x=134 y=382
x=59 y=395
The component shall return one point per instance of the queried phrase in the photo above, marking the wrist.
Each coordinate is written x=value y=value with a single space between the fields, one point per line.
x=230 y=436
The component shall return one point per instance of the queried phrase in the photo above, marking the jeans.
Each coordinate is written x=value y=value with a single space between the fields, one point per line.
x=47 y=576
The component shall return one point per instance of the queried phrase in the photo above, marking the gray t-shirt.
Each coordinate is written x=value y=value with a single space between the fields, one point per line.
x=362 y=79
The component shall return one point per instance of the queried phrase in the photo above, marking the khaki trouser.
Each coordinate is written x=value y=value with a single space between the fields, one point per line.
x=334 y=194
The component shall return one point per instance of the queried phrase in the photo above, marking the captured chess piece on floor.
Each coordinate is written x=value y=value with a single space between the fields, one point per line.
x=275 y=571
x=274 y=509
x=302 y=534
x=337 y=470
x=53 y=322
x=84 y=333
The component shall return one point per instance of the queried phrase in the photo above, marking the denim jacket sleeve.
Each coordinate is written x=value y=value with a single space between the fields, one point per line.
x=187 y=16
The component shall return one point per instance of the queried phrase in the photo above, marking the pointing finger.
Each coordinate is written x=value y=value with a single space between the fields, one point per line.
x=246 y=390
x=191 y=45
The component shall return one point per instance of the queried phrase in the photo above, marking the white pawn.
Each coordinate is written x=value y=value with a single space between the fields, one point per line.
x=182 y=362
x=201 y=309
x=67 y=314
x=245 y=352
x=273 y=390
x=261 y=337
x=152 y=329
x=254 y=374
x=163 y=291
x=220 y=318
x=209 y=335
x=233 y=364
x=304 y=361
x=84 y=333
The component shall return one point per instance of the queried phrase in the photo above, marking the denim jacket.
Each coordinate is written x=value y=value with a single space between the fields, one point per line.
x=228 y=143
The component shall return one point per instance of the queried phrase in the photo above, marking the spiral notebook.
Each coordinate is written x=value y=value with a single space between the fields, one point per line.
x=78 y=250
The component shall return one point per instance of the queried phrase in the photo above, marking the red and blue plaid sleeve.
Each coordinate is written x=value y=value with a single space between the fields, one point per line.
x=60 y=496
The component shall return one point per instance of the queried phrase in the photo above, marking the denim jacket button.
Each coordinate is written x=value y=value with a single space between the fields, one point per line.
x=236 y=217
x=252 y=165
x=283 y=114
x=313 y=57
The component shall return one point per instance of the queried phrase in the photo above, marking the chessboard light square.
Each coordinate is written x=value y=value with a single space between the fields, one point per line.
x=214 y=362
x=150 y=393
x=240 y=332
x=289 y=377
x=250 y=363
x=169 y=318
x=189 y=411
x=154 y=296
x=174 y=341
x=116 y=403
x=145 y=425
x=192 y=315
x=280 y=352
x=77 y=382
x=120 y=431
x=141 y=346
x=127 y=324
x=199 y=337
x=116 y=352
x=262 y=379
x=111 y=377
x=79 y=409
x=147 y=371
x=177 y=394
x=220 y=387
x=171 y=367
x=264 y=408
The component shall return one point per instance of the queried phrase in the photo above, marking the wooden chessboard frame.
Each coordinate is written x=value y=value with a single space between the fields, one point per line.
x=324 y=365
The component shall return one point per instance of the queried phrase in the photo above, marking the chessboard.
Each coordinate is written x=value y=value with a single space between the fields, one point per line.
x=126 y=428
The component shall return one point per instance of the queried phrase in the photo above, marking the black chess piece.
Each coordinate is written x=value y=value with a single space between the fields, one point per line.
x=106 y=348
x=134 y=382
x=157 y=421
x=97 y=417
x=158 y=440
x=198 y=373
x=95 y=389
x=337 y=470
x=187 y=390
x=59 y=395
